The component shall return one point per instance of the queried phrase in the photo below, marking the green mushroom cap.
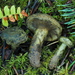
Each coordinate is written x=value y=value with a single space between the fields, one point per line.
x=39 y=20
x=14 y=36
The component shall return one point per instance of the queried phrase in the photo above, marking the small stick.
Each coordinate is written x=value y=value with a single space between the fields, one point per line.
x=73 y=68
x=35 y=6
x=52 y=43
x=22 y=71
x=49 y=2
x=15 y=70
x=29 y=2
x=65 y=58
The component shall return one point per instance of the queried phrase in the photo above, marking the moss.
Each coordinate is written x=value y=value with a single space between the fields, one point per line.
x=21 y=62
x=21 y=3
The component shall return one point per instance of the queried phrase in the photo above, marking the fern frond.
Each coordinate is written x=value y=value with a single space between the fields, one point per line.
x=11 y=14
x=69 y=12
x=65 y=5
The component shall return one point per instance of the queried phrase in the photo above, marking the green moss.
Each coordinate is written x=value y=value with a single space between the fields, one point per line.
x=22 y=62
x=53 y=10
x=44 y=9
x=17 y=3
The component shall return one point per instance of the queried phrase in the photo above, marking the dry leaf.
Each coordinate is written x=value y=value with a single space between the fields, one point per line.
x=11 y=18
x=5 y=18
x=24 y=13
x=16 y=17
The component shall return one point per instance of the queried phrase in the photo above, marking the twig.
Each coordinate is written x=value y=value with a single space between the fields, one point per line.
x=49 y=2
x=64 y=58
x=29 y=2
x=22 y=72
x=52 y=43
x=15 y=70
x=73 y=68
x=35 y=6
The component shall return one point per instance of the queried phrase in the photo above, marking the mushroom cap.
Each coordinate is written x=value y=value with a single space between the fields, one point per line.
x=39 y=20
x=66 y=41
x=14 y=36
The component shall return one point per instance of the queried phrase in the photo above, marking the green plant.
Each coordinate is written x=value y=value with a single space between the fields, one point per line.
x=19 y=3
x=11 y=14
x=44 y=9
x=19 y=62
x=52 y=9
x=63 y=71
x=68 y=13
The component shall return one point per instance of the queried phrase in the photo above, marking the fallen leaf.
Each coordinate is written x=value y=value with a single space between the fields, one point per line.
x=11 y=18
x=24 y=13
x=16 y=17
x=5 y=18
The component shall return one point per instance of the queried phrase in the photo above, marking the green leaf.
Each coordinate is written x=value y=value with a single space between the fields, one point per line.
x=1 y=14
x=13 y=10
x=72 y=33
x=65 y=5
x=68 y=14
x=21 y=16
x=5 y=22
x=67 y=10
x=18 y=10
x=70 y=26
x=70 y=22
x=71 y=64
x=6 y=11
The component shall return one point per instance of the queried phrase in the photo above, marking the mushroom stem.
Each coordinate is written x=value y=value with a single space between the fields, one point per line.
x=55 y=59
x=35 y=48
x=61 y=49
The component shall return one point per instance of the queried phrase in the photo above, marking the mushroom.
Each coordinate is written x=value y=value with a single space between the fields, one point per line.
x=45 y=28
x=55 y=59
x=14 y=36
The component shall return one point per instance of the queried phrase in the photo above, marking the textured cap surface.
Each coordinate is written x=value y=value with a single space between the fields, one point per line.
x=14 y=36
x=66 y=41
x=44 y=21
